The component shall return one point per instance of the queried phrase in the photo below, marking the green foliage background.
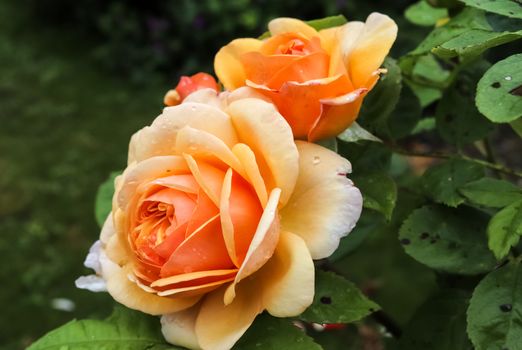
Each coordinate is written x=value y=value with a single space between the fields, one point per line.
x=78 y=78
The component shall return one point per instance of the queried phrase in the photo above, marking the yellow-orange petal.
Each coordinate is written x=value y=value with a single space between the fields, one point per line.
x=218 y=327
x=146 y=171
x=325 y=204
x=262 y=246
x=128 y=293
x=365 y=47
x=159 y=139
x=290 y=25
x=248 y=159
x=287 y=279
x=266 y=132
x=178 y=328
x=205 y=146
x=227 y=64
x=202 y=250
x=227 y=226
x=209 y=178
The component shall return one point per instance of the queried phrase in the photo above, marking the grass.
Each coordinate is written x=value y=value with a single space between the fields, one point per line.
x=64 y=125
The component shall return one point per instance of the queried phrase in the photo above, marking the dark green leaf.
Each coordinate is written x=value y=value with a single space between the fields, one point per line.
x=103 y=201
x=510 y=8
x=379 y=192
x=382 y=100
x=318 y=24
x=422 y=14
x=473 y=42
x=356 y=133
x=330 y=143
x=505 y=229
x=491 y=192
x=337 y=300
x=368 y=222
x=327 y=22
x=123 y=330
x=495 y=310
x=449 y=240
x=458 y=120
x=273 y=333
x=443 y=181
x=406 y=114
x=439 y=324
x=499 y=92
x=516 y=125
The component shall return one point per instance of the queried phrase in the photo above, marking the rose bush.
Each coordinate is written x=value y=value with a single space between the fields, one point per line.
x=317 y=79
x=218 y=216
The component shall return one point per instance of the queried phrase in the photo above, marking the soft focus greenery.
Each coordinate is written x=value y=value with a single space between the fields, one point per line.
x=78 y=78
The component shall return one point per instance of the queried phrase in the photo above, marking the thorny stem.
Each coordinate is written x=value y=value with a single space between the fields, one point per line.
x=441 y=155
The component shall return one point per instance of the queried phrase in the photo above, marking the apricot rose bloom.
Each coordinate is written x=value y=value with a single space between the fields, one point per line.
x=218 y=216
x=317 y=79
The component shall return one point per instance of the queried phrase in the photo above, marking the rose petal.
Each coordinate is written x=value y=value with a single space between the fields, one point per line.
x=206 y=147
x=93 y=283
x=179 y=328
x=218 y=327
x=248 y=160
x=227 y=64
x=146 y=171
x=325 y=205
x=131 y=295
x=365 y=47
x=209 y=178
x=290 y=25
x=262 y=246
x=202 y=250
x=145 y=143
x=287 y=278
x=265 y=131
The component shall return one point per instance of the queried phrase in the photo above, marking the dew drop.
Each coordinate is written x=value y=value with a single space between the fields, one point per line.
x=508 y=78
x=316 y=160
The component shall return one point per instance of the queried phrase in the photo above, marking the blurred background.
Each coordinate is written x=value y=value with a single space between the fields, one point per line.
x=77 y=78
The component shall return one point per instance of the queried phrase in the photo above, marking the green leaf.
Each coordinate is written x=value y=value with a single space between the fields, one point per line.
x=406 y=114
x=491 y=192
x=448 y=240
x=458 y=120
x=273 y=333
x=443 y=181
x=499 y=92
x=505 y=229
x=426 y=124
x=428 y=69
x=103 y=201
x=495 y=310
x=379 y=192
x=510 y=8
x=327 y=22
x=368 y=222
x=439 y=324
x=337 y=300
x=330 y=143
x=381 y=101
x=516 y=125
x=422 y=14
x=474 y=42
x=356 y=133
x=123 y=330
x=318 y=24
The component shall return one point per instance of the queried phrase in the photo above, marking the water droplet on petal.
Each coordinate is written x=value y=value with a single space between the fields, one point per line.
x=316 y=160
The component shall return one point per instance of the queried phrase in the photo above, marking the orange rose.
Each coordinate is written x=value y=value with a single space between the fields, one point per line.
x=218 y=217
x=317 y=79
